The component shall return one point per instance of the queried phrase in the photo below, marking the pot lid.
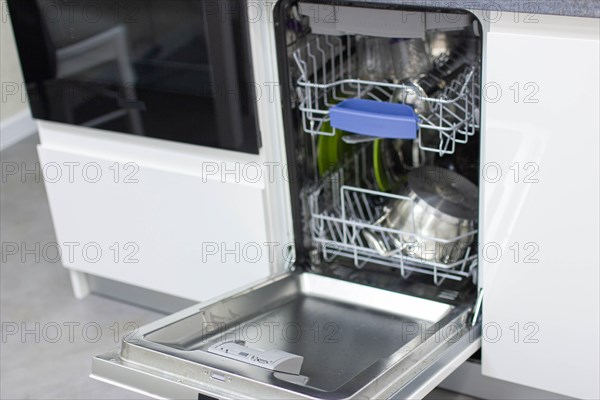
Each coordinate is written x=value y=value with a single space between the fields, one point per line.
x=446 y=191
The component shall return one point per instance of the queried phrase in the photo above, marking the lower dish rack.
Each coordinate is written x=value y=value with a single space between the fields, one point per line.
x=344 y=206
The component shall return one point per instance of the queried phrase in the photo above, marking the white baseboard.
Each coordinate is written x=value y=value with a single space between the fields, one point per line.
x=16 y=128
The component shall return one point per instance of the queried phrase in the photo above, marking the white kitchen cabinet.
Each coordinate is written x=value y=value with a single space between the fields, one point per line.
x=156 y=218
x=540 y=204
x=200 y=220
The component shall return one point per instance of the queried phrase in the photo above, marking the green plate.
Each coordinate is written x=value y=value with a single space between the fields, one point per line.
x=385 y=165
x=330 y=149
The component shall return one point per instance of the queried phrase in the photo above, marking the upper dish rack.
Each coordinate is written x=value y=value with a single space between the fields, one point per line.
x=327 y=75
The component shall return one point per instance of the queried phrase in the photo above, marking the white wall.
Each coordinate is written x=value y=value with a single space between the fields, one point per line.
x=10 y=70
x=15 y=118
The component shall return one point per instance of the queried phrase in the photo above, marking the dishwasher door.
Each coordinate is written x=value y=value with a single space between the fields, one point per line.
x=296 y=335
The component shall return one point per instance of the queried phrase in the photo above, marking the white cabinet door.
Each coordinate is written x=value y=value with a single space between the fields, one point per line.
x=170 y=229
x=541 y=205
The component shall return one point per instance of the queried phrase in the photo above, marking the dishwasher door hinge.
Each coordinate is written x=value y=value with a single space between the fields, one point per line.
x=290 y=258
x=477 y=308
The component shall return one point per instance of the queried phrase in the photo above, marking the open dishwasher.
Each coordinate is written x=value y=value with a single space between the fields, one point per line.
x=381 y=109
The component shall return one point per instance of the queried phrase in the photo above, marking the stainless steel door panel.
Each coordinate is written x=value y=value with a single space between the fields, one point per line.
x=357 y=341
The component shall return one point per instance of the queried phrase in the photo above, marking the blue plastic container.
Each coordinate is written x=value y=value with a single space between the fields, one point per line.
x=375 y=118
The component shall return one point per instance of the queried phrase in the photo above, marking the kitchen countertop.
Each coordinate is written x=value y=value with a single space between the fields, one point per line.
x=576 y=8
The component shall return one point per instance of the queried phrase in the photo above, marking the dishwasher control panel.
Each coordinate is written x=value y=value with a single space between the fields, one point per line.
x=275 y=360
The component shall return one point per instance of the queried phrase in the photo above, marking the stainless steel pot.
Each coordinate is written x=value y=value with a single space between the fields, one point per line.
x=442 y=208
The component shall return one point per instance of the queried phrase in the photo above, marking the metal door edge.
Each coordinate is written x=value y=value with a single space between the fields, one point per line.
x=109 y=368
x=454 y=357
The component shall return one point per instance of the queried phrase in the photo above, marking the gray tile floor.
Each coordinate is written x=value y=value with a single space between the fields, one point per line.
x=49 y=337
